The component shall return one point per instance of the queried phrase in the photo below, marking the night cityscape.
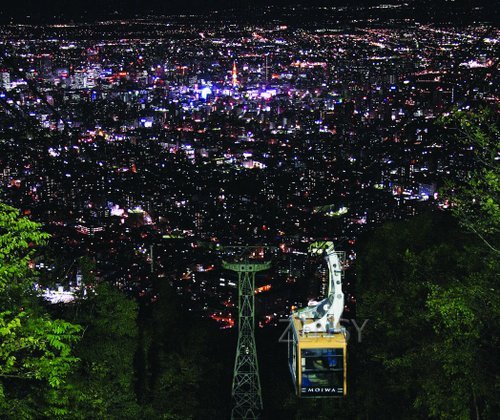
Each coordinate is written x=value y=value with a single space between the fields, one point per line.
x=162 y=150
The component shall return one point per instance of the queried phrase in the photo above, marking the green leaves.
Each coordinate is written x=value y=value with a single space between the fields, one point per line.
x=475 y=197
x=36 y=347
x=35 y=350
x=102 y=386
x=431 y=295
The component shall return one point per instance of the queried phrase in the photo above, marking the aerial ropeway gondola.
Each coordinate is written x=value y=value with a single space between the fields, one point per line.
x=317 y=345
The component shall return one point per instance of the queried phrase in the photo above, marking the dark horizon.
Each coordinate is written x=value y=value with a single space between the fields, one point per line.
x=81 y=10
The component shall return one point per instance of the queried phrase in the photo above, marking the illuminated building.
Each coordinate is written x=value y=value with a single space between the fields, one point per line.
x=235 y=75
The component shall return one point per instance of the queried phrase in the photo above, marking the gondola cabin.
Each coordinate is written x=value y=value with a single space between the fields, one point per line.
x=317 y=361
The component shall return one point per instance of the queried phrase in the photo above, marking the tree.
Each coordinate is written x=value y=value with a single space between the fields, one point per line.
x=181 y=361
x=475 y=196
x=174 y=358
x=430 y=294
x=103 y=384
x=35 y=351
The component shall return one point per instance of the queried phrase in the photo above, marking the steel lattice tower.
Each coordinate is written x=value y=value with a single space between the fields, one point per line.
x=246 y=392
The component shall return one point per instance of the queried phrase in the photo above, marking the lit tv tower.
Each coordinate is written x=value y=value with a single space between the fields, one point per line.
x=235 y=75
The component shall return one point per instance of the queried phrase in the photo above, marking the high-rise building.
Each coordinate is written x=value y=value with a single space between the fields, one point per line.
x=4 y=79
x=80 y=79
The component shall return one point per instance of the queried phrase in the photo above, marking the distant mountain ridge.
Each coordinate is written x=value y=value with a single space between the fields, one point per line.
x=49 y=10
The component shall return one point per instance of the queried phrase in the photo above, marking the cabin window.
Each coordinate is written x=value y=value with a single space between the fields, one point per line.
x=323 y=371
